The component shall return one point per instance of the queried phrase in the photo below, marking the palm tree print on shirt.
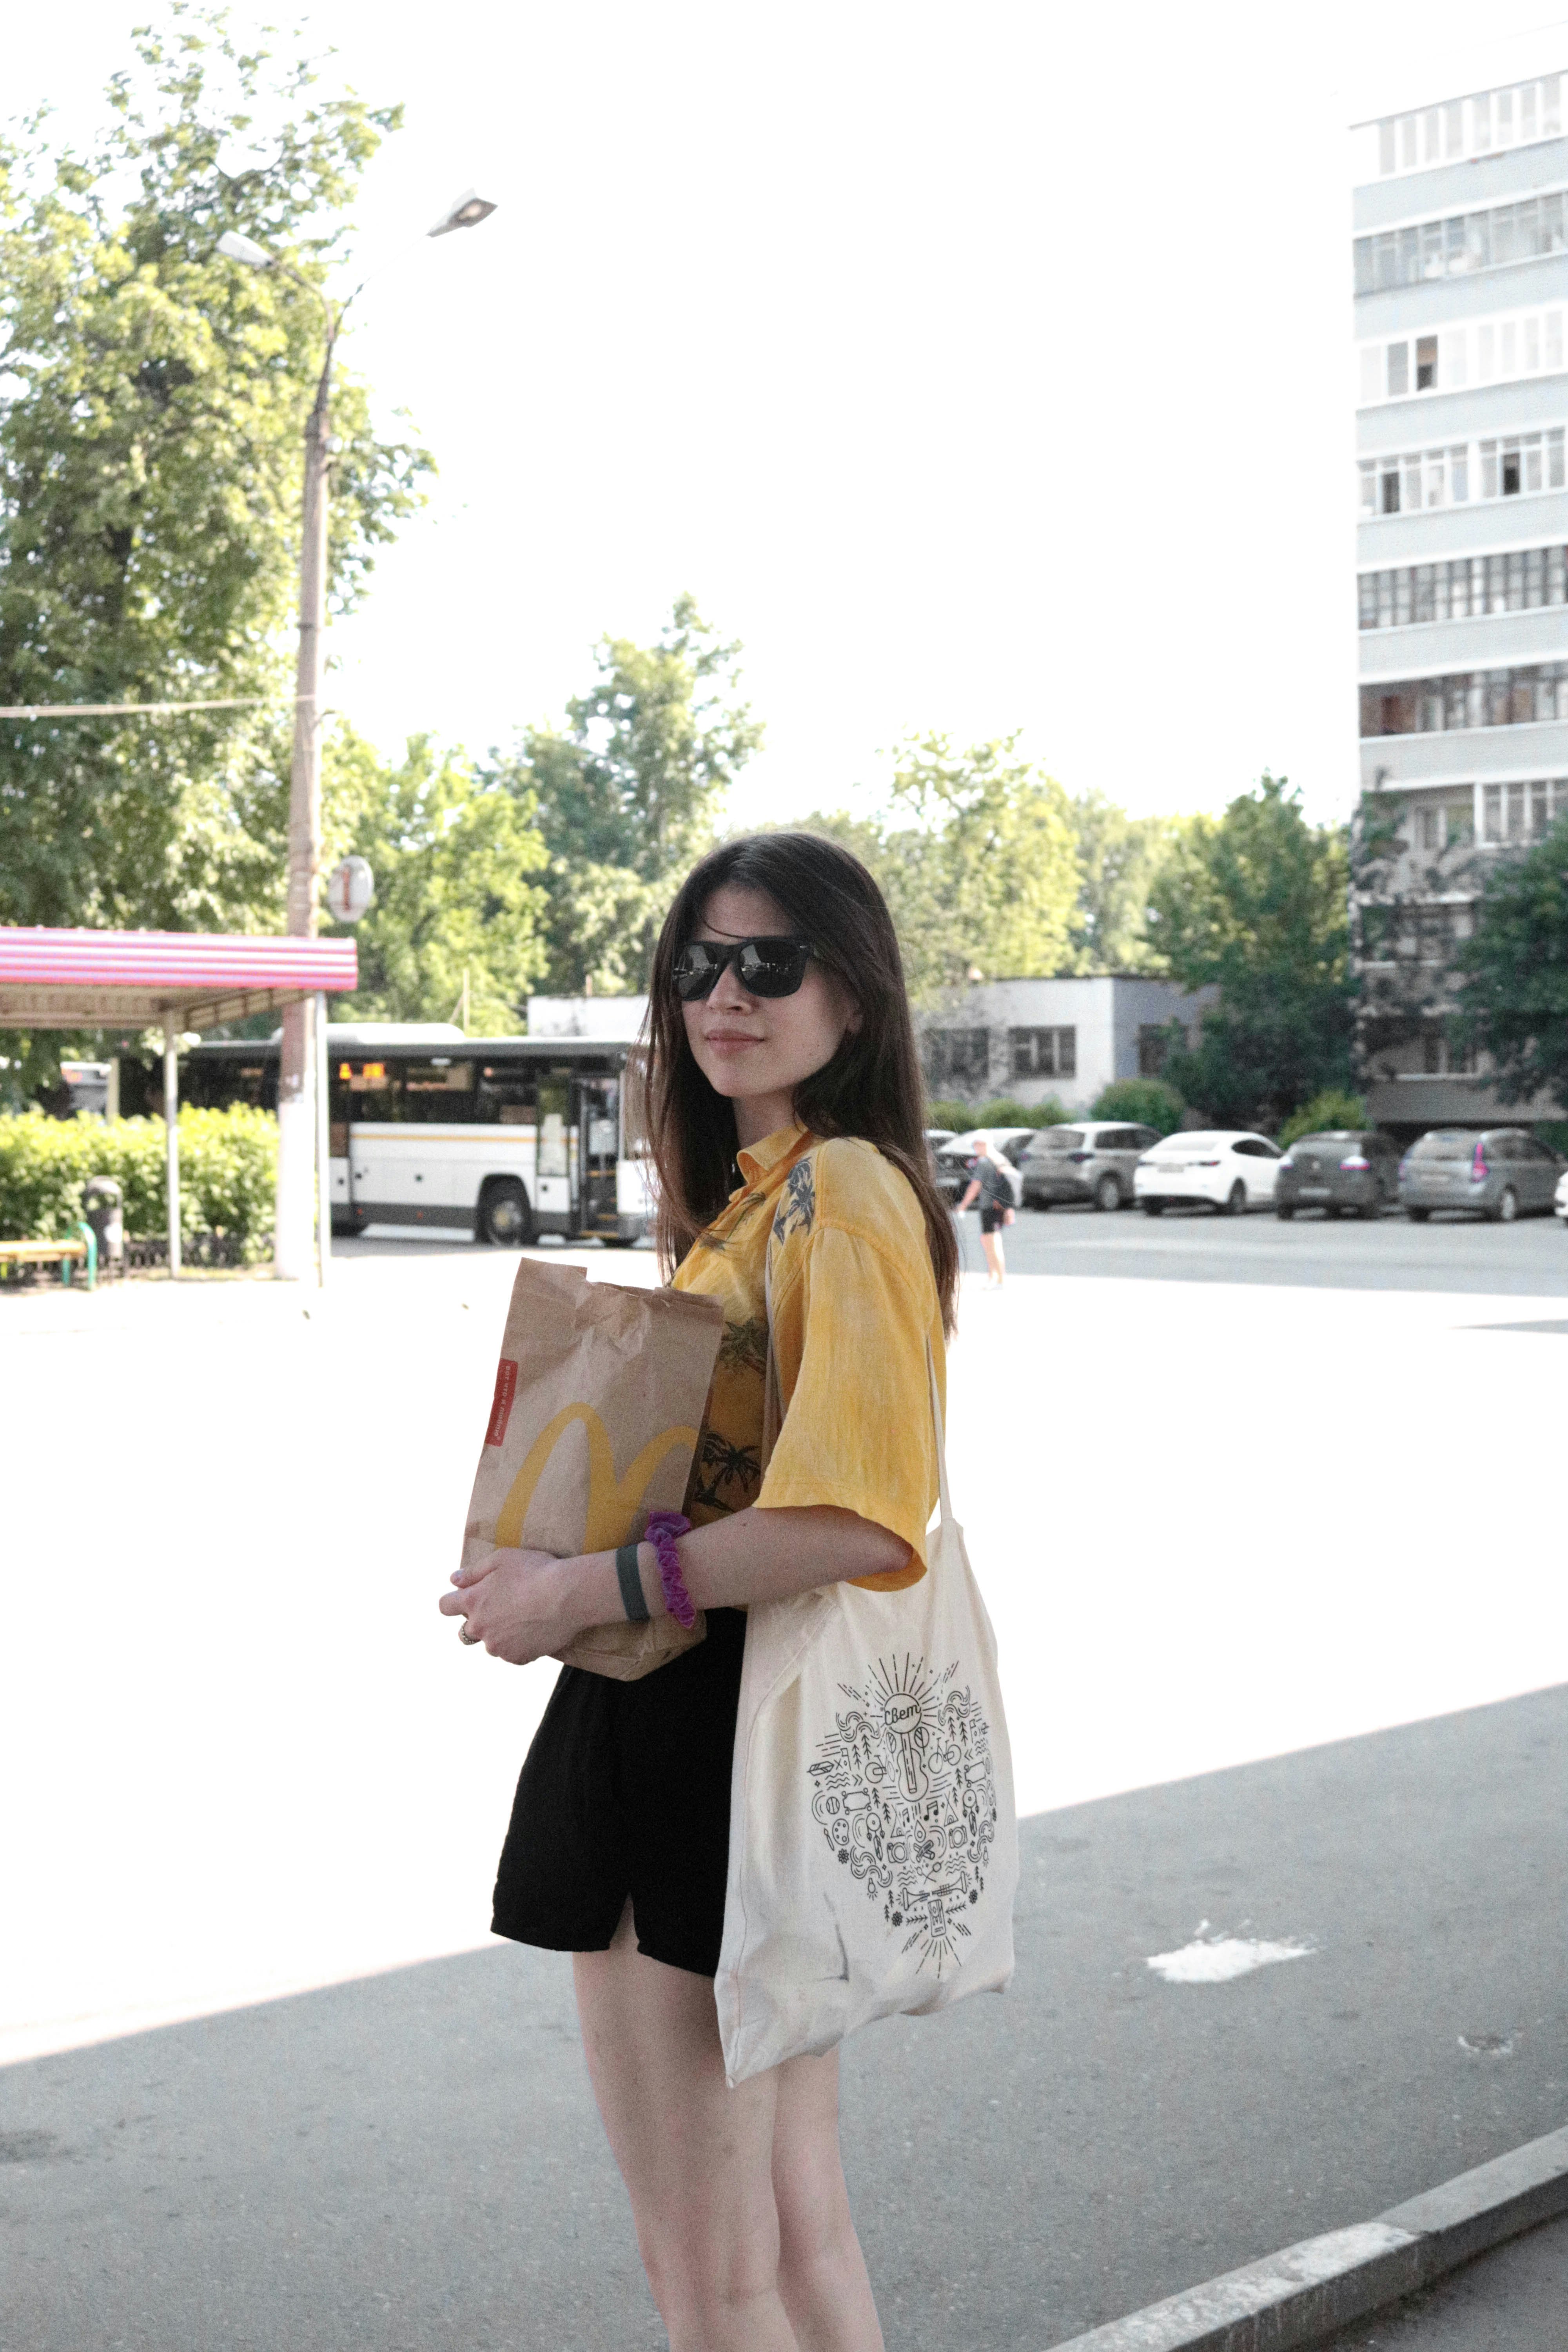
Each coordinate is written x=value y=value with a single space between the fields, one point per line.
x=797 y=1210
x=744 y=1346
x=734 y=1468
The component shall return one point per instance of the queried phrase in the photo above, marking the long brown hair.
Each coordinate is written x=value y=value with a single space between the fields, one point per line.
x=871 y=1088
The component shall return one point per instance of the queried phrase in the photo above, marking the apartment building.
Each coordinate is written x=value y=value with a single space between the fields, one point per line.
x=1461 y=311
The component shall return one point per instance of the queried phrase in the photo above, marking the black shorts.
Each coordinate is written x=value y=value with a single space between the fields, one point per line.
x=990 y=1219
x=626 y=1791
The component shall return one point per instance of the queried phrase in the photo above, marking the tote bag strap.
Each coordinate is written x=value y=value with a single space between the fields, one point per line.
x=944 y=1492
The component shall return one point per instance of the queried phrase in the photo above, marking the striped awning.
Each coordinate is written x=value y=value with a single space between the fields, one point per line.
x=138 y=979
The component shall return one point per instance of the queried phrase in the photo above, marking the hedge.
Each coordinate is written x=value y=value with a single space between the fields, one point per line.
x=229 y=1171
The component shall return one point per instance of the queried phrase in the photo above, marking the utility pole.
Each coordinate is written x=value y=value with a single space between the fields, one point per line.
x=303 y=1179
x=295 y=1258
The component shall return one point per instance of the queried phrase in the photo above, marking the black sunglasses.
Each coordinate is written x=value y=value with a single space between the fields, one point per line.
x=763 y=967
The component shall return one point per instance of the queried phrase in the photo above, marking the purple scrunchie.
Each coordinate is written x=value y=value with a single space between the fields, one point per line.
x=662 y=1528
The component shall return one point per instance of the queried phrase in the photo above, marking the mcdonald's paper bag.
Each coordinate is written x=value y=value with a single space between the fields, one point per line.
x=598 y=1405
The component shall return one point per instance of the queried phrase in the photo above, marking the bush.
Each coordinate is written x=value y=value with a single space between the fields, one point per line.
x=955 y=1114
x=1324 y=1113
x=228 y=1169
x=1145 y=1102
x=1004 y=1112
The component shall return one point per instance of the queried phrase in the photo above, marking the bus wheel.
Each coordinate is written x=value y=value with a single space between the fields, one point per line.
x=505 y=1218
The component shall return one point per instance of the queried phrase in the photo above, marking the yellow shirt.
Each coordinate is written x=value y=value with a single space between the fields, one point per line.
x=853 y=1307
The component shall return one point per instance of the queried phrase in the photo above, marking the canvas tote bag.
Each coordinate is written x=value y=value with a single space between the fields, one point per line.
x=873 y=1842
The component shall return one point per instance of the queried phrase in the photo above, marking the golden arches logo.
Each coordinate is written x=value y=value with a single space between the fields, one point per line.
x=612 y=1501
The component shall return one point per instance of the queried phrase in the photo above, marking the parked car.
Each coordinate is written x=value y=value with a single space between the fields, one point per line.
x=1344 y=1169
x=1229 y=1172
x=1007 y=1143
x=1499 y=1173
x=1560 y=1198
x=936 y=1137
x=1093 y=1160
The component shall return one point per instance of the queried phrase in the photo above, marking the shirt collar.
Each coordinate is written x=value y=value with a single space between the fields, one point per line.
x=763 y=1163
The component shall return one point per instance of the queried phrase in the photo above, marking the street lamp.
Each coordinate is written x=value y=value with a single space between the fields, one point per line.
x=301 y=1070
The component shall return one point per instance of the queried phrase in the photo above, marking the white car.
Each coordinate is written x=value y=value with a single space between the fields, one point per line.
x=1560 y=1198
x=1008 y=1145
x=1231 y=1173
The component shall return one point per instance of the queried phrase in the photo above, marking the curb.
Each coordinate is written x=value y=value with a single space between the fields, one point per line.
x=1308 y=2292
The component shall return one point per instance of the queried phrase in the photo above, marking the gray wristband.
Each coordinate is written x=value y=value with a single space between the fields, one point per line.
x=630 y=1578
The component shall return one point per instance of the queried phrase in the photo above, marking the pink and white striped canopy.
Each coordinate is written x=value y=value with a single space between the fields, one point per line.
x=137 y=980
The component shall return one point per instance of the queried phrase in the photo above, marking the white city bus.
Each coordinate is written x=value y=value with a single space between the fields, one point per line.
x=501 y=1138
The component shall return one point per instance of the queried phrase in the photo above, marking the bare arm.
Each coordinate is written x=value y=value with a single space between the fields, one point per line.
x=525 y=1605
x=969 y=1198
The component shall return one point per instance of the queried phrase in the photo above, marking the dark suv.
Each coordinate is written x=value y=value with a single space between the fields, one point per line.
x=1346 y=1171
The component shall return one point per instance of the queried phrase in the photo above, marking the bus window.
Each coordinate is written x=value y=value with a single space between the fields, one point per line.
x=365 y=1091
x=437 y=1090
x=505 y=1095
x=553 y=1110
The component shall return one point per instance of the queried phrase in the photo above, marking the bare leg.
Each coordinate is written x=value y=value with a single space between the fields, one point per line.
x=992 y=1245
x=822 y=2272
x=730 y=2270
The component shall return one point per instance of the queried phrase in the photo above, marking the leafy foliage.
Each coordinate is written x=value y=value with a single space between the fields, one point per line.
x=228 y=1173
x=1513 y=992
x=1256 y=901
x=1143 y=1102
x=975 y=856
x=459 y=869
x=1326 y=1114
x=1120 y=859
x=153 y=401
x=628 y=794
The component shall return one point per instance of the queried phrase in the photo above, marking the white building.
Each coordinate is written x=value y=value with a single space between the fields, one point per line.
x=1461 y=311
x=1031 y=1039
x=616 y=1019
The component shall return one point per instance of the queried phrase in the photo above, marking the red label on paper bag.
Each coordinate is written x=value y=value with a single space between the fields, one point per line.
x=501 y=1408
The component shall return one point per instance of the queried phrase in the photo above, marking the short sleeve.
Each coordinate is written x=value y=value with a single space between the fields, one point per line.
x=851 y=1323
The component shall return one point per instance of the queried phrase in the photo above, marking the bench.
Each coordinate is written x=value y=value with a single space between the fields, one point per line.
x=67 y=1256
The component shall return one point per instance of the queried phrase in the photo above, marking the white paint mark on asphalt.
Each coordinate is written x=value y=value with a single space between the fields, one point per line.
x=1214 y=1959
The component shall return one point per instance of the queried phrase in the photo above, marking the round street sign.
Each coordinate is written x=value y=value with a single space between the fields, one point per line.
x=351 y=890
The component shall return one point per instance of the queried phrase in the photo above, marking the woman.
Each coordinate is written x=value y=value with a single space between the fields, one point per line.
x=989 y=1186
x=784 y=1117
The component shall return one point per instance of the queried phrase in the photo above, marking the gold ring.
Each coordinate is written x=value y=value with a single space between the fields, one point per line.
x=463 y=1635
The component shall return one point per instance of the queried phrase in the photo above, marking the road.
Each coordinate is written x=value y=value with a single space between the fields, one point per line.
x=1231 y=1528
x=1451 y=1253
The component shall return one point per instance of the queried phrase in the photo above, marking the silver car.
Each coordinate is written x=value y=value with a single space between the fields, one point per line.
x=1092 y=1159
x=1499 y=1173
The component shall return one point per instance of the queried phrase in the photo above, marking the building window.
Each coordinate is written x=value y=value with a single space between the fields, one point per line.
x=1464 y=588
x=1043 y=1053
x=1519 y=813
x=1524 y=344
x=1518 y=464
x=1513 y=117
x=1441 y=1058
x=1154 y=1042
x=1461 y=242
x=1478 y=698
x=957 y=1058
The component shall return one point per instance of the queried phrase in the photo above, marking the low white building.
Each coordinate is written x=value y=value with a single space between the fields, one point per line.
x=1069 y=1038
x=616 y=1019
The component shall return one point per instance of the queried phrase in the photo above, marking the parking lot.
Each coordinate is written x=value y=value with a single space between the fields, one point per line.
x=1451 y=1252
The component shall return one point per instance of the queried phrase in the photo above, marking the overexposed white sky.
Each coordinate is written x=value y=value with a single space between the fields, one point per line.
x=981 y=368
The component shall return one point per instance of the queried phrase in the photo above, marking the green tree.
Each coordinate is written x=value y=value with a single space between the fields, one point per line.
x=1120 y=859
x=1147 y=1102
x=1513 y=990
x=153 y=398
x=977 y=859
x=1326 y=1114
x=628 y=793
x=460 y=873
x=1255 y=902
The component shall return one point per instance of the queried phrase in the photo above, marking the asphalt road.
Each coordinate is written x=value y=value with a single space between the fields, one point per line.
x=1450 y=1253
x=1514 y=2300
x=413 y=2161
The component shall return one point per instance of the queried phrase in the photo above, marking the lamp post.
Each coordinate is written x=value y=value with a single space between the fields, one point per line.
x=303 y=1220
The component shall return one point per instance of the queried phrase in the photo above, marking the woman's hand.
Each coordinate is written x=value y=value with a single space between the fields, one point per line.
x=519 y=1605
